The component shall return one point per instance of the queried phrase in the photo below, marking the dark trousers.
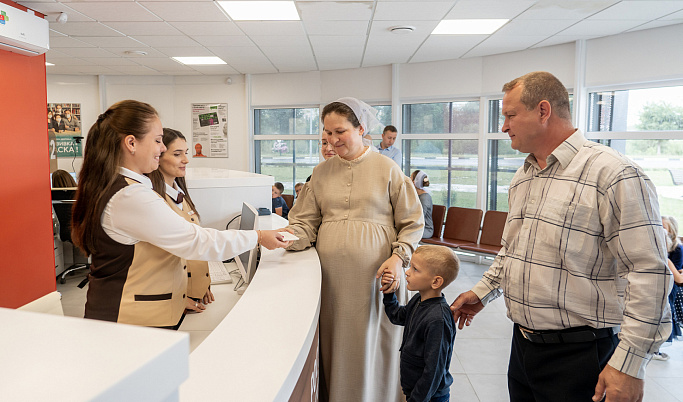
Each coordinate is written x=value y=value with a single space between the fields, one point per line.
x=541 y=372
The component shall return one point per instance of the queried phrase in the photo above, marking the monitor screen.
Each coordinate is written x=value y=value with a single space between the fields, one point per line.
x=247 y=261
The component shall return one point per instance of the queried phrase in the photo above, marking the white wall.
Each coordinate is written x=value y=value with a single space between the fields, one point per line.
x=653 y=54
x=647 y=55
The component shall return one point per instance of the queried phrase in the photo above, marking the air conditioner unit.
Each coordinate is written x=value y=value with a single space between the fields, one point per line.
x=23 y=32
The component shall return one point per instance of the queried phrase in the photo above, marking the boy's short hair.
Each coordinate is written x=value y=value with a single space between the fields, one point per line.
x=279 y=186
x=389 y=128
x=298 y=185
x=441 y=260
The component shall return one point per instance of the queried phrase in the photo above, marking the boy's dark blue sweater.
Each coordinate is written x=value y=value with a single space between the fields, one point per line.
x=427 y=345
x=280 y=202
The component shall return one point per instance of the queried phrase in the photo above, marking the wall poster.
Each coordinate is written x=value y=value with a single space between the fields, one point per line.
x=209 y=130
x=64 y=121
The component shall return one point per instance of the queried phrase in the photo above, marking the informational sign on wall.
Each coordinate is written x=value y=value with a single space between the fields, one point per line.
x=64 y=120
x=209 y=130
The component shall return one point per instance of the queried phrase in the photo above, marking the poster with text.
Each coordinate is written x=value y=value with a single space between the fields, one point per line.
x=64 y=120
x=209 y=130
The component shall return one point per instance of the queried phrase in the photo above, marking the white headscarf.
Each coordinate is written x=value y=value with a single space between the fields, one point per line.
x=366 y=114
x=420 y=179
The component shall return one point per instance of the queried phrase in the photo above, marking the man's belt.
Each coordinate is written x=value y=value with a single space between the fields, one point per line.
x=570 y=335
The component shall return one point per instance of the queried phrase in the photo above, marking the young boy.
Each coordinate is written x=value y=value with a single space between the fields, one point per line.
x=429 y=330
x=279 y=205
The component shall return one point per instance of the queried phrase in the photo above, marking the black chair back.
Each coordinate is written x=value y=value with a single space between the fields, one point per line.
x=62 y=201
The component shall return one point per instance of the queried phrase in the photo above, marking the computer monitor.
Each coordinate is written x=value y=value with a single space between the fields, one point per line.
x=247 y=261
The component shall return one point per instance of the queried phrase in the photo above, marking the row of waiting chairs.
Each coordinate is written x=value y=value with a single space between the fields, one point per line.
x=464 y=229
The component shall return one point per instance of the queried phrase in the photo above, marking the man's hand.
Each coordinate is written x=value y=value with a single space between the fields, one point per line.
x=618 y=387
x=465 y=307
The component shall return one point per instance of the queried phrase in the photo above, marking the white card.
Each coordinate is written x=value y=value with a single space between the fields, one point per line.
x=286 y=236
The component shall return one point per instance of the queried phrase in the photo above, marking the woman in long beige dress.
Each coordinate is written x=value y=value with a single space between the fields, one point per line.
x=363 y=215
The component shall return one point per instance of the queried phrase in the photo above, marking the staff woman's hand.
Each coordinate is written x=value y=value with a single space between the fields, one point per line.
x=208 y=297
x=271 y=239
x=194 y=306
x=393 y=264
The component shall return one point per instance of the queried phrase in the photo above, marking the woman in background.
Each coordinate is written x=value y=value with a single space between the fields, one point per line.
x=62 y=179
x=136 y=241
x=420 y=181
x=364 y=216
x=169 y=182
x=675 y=250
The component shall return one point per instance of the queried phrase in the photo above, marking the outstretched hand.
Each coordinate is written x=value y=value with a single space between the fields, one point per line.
x=465 y=307
x=271 y=240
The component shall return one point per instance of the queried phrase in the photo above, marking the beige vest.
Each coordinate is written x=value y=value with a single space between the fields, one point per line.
x=138 y=284
x=198 y=279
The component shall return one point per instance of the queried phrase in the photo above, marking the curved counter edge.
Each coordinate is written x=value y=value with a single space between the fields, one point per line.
x=258 y=351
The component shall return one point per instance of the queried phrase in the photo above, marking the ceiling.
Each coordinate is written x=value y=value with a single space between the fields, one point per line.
x=331 y=35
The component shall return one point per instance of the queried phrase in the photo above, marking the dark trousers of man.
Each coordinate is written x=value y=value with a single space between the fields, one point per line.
x=555 y=372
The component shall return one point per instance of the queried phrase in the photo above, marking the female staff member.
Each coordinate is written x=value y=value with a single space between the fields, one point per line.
x=420 y=180
x=136 y=240
x=169 y=182
x=364 y=215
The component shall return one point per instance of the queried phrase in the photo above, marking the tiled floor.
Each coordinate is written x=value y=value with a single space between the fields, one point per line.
x=481 y=352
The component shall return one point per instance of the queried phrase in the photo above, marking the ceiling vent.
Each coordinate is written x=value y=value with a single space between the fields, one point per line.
x=403 y=29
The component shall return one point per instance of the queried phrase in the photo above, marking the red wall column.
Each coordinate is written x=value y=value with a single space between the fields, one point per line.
x=26 y=243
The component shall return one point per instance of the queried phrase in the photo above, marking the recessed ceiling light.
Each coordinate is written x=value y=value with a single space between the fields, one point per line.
x=48 y=64
x=403 y=29
x=468 y=27
x=199 y=61
x=260 y=10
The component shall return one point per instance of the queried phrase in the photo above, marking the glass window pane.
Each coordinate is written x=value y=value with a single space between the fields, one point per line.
x=662 y=161
x=426 y=118
x=650 y=109
x=451 y=166
x=307 y=121
x=465 y=117
x=503 y=163
x=430 y=156
x=464 y=167
x=384 y=117
x=286 y=121
x=277 y=156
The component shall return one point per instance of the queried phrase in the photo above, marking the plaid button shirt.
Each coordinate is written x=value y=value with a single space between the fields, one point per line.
x=584 y=245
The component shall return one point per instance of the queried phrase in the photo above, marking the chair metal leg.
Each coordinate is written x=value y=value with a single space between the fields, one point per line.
x=72 y=268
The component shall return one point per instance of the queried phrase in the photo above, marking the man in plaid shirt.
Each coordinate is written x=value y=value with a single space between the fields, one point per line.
x=583 y=263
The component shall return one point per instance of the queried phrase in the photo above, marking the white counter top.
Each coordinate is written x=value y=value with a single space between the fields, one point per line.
x=54 y=358
x=258 y=351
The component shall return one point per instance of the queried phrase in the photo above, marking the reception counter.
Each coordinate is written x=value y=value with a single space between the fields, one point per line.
x=265 y=349
x=259 y=351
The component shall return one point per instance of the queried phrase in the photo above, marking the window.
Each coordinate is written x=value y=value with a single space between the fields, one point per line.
x=384 y=117
x=649 y=109
x=277 y=152
x=441 y=140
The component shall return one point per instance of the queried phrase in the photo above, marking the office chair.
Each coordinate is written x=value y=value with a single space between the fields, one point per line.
x=62 y=201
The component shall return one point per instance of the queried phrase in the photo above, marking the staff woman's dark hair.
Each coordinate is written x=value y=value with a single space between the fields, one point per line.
x=101 y=161
x=62 y=179
x=157 y=178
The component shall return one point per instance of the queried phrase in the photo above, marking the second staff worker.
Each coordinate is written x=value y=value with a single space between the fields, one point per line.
x=584 y=222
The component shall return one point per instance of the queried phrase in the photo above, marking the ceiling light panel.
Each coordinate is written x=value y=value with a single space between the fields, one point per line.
x=199 y=61
x=468 y=27
x=260 y=10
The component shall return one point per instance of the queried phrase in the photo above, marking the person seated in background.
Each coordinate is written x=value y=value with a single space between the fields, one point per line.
x=62 y=179
x=429 y=331
x=50 y=121
x=71 y=123
x=297 y=190
x=420 y=180
x=675 y=263
x=279 y=205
